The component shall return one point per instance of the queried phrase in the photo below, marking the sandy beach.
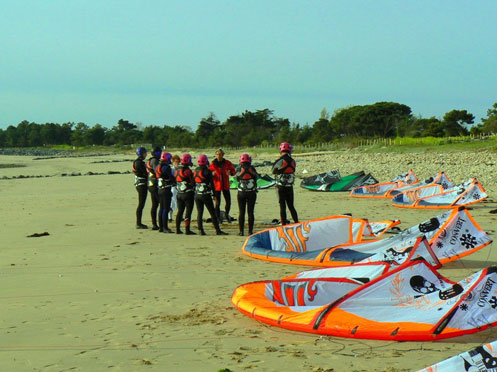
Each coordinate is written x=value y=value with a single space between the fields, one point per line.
x=96 y=294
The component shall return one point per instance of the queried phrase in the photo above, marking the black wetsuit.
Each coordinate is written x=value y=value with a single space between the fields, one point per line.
x=284 y=169
x=141 y=175
x=152 y=164
x=247 y=195
x=165 y=181
x=203 y=196
x=185 y=197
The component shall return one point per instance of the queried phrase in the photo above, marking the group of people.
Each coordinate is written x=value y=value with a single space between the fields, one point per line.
x=173 y=184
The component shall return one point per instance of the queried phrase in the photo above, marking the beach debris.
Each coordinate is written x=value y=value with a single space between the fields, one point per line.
x=37 y=235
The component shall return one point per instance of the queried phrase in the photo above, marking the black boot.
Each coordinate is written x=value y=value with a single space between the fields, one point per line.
x=187 y=228
x=202 y=232
x=166 y=228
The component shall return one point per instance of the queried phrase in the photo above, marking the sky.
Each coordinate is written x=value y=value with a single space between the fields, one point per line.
x=172 y=62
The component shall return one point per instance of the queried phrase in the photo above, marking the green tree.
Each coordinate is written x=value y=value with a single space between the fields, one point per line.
x=380 y=119
x=79 y=136
x=489 y=124
x=206 y=130
x=454 y=122
x=430 y=127
x=124 y=133
x=2 y=138
x=96 y=135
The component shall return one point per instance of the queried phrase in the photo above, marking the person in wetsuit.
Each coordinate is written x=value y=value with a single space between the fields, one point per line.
x=247 y=193
x=165 y=181
x=204 y=185
x=141 y=175
x=284 y=169
x=185 y=197
x=221 y=170
x=152 y=164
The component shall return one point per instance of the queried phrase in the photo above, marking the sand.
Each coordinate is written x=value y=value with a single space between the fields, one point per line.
x=97 y=294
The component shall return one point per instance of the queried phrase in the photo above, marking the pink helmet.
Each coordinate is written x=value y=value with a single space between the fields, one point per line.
x=285 y=147
x=202 y=159
x=166 y=157
x=186 y=159
x=245 y=158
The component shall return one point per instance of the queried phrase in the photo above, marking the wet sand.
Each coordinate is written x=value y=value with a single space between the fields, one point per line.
x=97 y=294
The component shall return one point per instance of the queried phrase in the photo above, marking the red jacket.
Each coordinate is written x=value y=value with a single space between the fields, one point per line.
x=221 y=172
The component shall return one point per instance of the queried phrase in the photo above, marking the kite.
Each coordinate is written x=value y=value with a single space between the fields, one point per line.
x=379 y=190
x=435 y=197
x=481 y=358
x=439 y=179
x=332 y=181
x=409 y=302
x=263 y=182
x=340 y=240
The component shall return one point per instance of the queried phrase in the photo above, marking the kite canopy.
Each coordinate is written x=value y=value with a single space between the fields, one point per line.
x=380 y=190
x=439 y=179
x=481 y=358
x=338 y=240
x=263 y=182
x=411 y=302
x=332 y=181
x=434 y=196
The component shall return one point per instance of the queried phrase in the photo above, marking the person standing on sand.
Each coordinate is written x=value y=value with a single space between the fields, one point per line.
x=140 y=171
x=152 y=164
x=284 y=169
x=221 y=170
x=247 y=193
x=165 y=181
x=174 y=205
x=204 y=185
x=185 y=184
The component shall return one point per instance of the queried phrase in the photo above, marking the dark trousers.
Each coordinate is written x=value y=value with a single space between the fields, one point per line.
x=202 y=200
x=285 y=198
x=165 y=196
x=185 y=203
x=246 y=200
x=227 y=200
x=142 y=198
x=154 y=196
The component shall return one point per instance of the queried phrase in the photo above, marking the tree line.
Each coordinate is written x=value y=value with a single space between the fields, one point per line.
x=378 y=120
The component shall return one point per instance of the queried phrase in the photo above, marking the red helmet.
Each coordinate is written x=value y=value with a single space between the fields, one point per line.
x=166 y=157
x=285 y=147
x=186 y=159
x=245 y=158
x=202 y=159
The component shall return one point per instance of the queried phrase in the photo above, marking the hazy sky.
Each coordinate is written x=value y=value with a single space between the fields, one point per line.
x=173 y=62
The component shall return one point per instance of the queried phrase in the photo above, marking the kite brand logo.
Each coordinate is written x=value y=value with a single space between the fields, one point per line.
x=294 y=294
x=373 y=189
x=485 y=292
x=412 y=195
x=294 y=237
x=457 y=229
